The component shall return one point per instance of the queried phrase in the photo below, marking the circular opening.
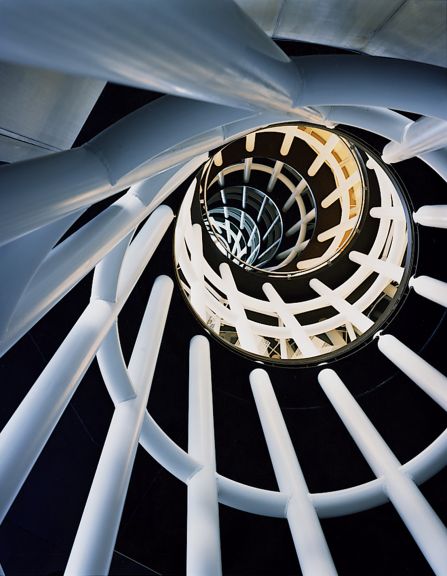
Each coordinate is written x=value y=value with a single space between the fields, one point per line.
x=293 y=244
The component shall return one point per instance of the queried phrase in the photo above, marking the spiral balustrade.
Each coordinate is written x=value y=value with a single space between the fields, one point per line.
x=294 y=243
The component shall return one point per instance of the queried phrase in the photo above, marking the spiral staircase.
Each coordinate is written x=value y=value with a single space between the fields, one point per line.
x=255 y=261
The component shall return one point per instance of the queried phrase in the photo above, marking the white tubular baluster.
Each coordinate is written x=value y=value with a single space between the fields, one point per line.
x=95 y=539
x=421 y=520
x=434 y=216
x=297 y=332
x=246 y=337
x=430 y=380
x=313 y=553
x=31 y=425
x=431 y=288
x=203 y=537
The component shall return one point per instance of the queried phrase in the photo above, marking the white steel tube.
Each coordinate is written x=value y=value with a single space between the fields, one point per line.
x=433 y=216
x=388 y=212
x=95 y=539
x=247 y=338
x=297 y=192
x=389 y=269
x=29 y=428
x=198 y=283
x=297 y=332
x=203 y=537
x=313 y=552
x=430 y=380
x=423 y=135
x=127 y=43
x=421 y=520
x=431 y=288
x=349 y=311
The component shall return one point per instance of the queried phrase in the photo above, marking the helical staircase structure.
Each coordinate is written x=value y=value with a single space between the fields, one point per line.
x=295 y=247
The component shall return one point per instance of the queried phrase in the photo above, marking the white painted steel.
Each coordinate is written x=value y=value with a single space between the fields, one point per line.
x=298 y=333
x=388 y=269
x=430 y=380
x=71 y=260
x=349 y=311
x=95 y=539
x=431 y=288
x=310 y=543
x=203 y=537
x=128 y=44
x=396 y=28
x=31 y=425
x=153 y=438
x=421 y=520
x=433 y=216
x=197 y=286
x=423 y=135
x=246 y=336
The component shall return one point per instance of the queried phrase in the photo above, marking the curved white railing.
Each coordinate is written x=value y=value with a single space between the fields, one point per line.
x=52 y=190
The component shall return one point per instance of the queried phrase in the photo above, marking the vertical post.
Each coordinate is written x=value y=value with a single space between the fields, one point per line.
x=203 y=537
x=430 y=380
x=25 y=435
x=421 y=520
x=95 y=539
x=313 y=552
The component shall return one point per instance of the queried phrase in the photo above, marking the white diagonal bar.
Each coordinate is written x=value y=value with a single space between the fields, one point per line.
x=349 y=311
x=421 y=520
x=305 y=220
x=247 y=338
x=286 y=143
x=338 y=229
x=297 y=192
x=341 y=189
x=388 y=269
x=311 y=547
x=274 y=177
x=430 y=380
x=71 y=260
x=323 y=155
x=95 y=539
x=297 y=332
x=203 y=538
x=434 y=216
